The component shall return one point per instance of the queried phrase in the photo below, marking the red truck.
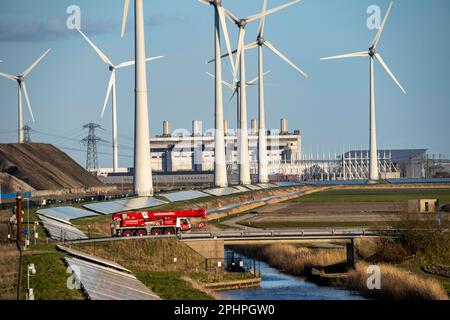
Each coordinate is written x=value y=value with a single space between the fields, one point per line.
x=142 y=223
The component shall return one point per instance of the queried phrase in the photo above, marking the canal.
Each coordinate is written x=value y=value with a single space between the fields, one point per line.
x=276 y=285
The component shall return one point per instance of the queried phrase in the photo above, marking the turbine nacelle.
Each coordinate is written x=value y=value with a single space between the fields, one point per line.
x=372 y=52
x=260 y=41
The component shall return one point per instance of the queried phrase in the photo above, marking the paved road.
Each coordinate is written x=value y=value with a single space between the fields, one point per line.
x=234 y=222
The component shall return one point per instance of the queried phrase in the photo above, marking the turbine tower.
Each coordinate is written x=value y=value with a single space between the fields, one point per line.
x=22 y=88
x=112 y=91
x=373 y=53
x=220 y=169
x=143 y=182
x=244 y=161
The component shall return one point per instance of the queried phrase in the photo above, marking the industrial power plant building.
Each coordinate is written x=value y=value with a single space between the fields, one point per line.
x=181 y=150
x=187 y=157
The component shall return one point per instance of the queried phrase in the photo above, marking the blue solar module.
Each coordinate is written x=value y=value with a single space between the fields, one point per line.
x=65 y=214
x=61 y=231
x=253 y=187
x=241 y=188
x=338 y=183
x=221 y=191
x=184 y=195
x=103 y=283
x=124 y=205
x=289 y=184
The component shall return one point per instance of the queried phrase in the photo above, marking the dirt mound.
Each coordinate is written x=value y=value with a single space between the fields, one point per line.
x=11 y=184
x=44 y=167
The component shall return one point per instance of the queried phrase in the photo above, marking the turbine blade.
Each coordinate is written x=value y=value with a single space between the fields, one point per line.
x=126 y=9
x=231 y=16
x=380 y=32
x=102 y=56
x=223 y=81
x=251 y=45
x=268 y=12
x=223 y=56
x=257 y=78
x=239 y=49
x=112 y=82
x=226 y=36
x=282 y=56
x=27 y=72
x=378 y=56
x=349 y=55
x=205 y=2
x=8 y=76
x=25 y=93
x=132 y=62
x=262 y=22
x=232 y=96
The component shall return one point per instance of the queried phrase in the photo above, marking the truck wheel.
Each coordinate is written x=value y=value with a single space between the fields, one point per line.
x=168 y=231
x=156 y=232
x=140 y=233
x=127 y=233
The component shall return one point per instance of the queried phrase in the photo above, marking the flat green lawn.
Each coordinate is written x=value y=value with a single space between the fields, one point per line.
x=375 y=195
x=169 y=285
x=50 y=281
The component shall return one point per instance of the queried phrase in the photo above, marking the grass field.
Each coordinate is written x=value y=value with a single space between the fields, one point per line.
x=375 y=195
x=50 y=281
x=169 y=285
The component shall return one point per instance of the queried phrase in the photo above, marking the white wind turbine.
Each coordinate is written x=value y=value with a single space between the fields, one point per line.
x=143 y=181
x=22 y=88
x=112 y=91
x=373 y=53
x=220 y=169
x=263 y=176
x=244 y=162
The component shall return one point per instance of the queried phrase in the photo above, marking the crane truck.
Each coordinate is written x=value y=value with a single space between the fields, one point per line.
x=142 y=223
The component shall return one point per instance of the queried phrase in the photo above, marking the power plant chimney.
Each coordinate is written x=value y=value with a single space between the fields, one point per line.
x=166 y=129
x=254 y=126
x=225 y=126
x=284 y=126
x=196 y=128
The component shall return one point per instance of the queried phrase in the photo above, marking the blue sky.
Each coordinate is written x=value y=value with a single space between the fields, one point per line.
x=330 y=108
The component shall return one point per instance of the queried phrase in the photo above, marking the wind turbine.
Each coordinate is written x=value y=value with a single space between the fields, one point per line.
x=112 y=91
x=143 y=182
x=236 y=92
x=263 y=176
x=22 y=88
x=373 y=53
x=220 y=169
x=244 y=162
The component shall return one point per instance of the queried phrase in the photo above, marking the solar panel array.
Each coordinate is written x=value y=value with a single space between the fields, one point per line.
x=102 y=283
x=184 y=195
x=88 y=257
x=217 y=192
x=124 y=205
x=266 y=185
x=61 y=231
x=241 y=188
x=65 y=214
x=254 y=187
x=288 y=184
